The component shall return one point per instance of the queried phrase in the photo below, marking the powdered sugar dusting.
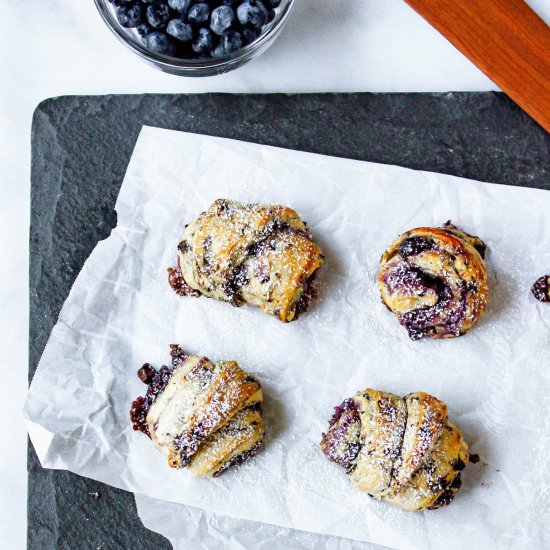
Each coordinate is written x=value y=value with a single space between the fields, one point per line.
x=187 y=404
x=249 y=253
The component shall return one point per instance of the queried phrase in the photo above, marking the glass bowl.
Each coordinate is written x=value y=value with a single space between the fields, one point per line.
x=196 y=67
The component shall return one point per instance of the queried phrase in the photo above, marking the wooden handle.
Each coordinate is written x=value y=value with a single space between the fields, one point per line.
x=506 y=39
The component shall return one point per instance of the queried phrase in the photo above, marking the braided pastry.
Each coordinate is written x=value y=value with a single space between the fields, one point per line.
x=257 y=254
x=403 y=450
x=435 y=281
x=204 y=416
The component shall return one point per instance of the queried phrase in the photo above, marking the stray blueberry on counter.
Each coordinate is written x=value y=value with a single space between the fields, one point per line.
x=199 y=13
x=129 y=15
x=158 y=15
x=253 y=13
x=158 y=42
x=204 y=41
x=222 y=18
x=179 y=30
x=179 y=5
x=541 y=289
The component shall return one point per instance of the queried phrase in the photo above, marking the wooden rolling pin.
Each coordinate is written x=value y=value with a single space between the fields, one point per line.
x=506 y=39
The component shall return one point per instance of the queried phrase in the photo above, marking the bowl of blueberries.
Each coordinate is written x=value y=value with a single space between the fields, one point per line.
x=196 y=37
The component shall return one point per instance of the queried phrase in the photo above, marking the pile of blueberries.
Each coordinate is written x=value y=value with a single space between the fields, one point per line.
x=195 y=29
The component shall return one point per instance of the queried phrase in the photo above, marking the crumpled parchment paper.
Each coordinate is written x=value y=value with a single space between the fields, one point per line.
x=121 y=313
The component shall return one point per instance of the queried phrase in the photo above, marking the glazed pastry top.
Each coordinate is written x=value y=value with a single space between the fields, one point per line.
x=257 y=254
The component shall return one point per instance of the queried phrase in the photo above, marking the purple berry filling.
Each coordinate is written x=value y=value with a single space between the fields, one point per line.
x=341 y=444
x=448 y=494
x=414 y=245
x=346 y=405
x=309 y=292
x=178 y=284
x=156 y=382
x=239 y=459
x=541 y=289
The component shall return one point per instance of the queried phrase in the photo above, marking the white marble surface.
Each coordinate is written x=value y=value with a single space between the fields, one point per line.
x=58 y=47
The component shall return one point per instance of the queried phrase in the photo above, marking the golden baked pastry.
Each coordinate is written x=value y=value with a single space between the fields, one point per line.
x=255 y=254
x=202 y=415
x=402 y=450
x=435 y=281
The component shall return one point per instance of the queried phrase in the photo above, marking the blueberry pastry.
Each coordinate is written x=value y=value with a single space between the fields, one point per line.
x=435 y=281
x=202 y=415
x=402 y=450
x=541 y=288
x=255 y=254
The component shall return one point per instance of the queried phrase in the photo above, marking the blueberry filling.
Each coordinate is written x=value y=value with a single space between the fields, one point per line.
x=178 y=284
x=442 y=318
x=309 y=292
x=141 y=405
x=346 y=405
x=448 y=494
x=412 y=280
x=156 y=382
x=541 y=289
x=341 y=444
x=188 y=443
x=238 y=459
x=414 y=245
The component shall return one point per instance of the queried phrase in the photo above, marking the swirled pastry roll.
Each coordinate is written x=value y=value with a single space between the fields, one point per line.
x=249 y=254
x=202 y=415
x=402 y=450
x=435 y=281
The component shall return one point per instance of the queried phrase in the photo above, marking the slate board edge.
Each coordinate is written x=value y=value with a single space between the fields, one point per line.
x=45 y=498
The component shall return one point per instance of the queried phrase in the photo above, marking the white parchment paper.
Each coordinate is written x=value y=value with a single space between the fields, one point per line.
x=121 y=313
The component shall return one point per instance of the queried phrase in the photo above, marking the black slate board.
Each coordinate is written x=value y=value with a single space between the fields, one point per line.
x=81 y=147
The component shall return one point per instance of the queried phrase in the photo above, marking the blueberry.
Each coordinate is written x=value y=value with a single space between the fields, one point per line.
x=158 y=42
x=249 y=35
x=541 y=288
x=199 y=13
x=129 y=15
x=218 y=51
x=158 y=15
x=143 y=29
x=231 y=41
x=252 y=12
x=179 y=5
x=204 y=41
x=179 y=30
x=222 y=18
